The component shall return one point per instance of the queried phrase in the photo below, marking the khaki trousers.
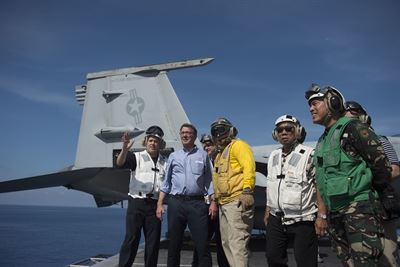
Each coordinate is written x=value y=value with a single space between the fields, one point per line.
x=235 y=227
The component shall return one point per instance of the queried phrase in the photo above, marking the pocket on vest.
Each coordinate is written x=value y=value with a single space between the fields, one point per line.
x=292 y=200
x=337 y=186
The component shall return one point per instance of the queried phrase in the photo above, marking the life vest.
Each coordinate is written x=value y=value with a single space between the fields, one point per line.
x=146 y=180
x=228 y=183
x=341 y=179
x=288 y=188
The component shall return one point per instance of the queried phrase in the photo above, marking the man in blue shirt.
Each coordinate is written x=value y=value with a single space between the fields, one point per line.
x=187 y=181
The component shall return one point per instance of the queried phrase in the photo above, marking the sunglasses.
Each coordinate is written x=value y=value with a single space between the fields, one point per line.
x=354 y=112
x=288 y=129
x=355 y=108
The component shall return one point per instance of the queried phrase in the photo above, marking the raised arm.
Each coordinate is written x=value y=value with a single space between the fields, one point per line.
x=126 y=145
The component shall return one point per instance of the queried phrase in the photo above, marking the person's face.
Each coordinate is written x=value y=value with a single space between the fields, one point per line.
x=152 y=145
x=318 y=110
x=187 y=136
x=286 y=133
x=352 y=114
x=210 y=148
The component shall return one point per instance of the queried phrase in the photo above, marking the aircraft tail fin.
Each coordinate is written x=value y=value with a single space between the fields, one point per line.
x=129 y=99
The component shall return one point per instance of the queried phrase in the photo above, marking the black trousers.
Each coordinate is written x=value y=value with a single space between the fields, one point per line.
x=305 y=243
x=213 y=230
x=141 y=214
x=194 y=214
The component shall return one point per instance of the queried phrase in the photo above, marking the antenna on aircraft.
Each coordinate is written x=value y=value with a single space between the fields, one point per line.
x=152 y=68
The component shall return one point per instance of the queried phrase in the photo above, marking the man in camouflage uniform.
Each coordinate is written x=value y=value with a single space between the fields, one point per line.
x=390 y=221
x=352 y=169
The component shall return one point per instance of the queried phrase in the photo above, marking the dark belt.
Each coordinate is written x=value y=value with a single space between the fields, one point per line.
x=149 y=195
x=186 y=197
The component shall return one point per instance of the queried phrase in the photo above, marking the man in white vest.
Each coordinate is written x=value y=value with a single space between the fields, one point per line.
x=147 y=173
x=293 y=210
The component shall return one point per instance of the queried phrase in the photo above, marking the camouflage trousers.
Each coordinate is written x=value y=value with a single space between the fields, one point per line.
x=356 y=233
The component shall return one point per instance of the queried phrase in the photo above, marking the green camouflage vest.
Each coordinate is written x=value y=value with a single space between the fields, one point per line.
x=341 y=179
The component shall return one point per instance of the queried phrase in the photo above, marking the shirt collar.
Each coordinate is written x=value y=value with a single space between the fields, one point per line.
x=194 y=149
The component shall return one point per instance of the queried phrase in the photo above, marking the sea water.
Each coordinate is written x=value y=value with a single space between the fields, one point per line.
x=57 y=236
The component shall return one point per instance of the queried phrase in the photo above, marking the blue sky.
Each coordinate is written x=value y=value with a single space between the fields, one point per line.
x=267 y=53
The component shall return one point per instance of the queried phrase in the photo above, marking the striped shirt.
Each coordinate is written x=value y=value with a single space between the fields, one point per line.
x=389 y=150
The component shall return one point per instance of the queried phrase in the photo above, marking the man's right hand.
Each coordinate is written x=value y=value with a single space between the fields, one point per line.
x=160 y=211
x=127 y=142
x=266 y=216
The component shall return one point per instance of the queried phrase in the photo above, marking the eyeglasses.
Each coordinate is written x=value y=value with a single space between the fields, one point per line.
x=187 y=132
x=288 y=129
x=353 y=112
x=207 y=145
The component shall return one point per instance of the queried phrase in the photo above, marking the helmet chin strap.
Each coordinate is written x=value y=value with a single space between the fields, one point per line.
x=290 y=147
x=223 y=142
x=327 y=118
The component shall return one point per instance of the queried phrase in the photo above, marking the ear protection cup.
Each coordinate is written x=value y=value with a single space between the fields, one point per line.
x=365 y=119
x=275 y=135
x=302 y=135
x=334 y=102
x=233 y=132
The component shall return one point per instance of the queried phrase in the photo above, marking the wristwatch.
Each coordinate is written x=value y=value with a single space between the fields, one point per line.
x=247 y=190
x=322 y=216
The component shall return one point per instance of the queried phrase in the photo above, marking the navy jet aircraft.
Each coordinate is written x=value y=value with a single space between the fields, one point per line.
x=129 y=100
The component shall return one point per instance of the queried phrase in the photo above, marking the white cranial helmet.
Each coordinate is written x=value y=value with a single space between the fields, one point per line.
x=286 y=118
x=300 y=132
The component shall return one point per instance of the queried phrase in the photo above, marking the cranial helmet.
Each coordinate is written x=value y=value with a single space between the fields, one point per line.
x=155 y=131
x=361 y=112
x=300 y=132
x=331 y=96
x=222 y=128
x=206 y=138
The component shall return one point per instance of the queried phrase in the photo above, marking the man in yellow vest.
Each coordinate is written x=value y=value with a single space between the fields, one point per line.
x=234 y=181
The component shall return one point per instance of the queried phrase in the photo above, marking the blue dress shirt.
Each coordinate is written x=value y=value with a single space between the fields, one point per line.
x=188 y=173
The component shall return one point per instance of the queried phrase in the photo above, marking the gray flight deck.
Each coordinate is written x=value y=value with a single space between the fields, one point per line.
x=257 y=246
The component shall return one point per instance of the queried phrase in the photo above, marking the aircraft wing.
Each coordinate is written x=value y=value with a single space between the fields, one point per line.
x=107 y=185
x=65 y=178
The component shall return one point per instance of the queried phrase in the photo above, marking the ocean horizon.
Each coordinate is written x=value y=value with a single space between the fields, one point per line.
x=49 y=236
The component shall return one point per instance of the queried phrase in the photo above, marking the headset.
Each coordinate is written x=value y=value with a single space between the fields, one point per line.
x=362 y=113
x=333 y=99
x=300 y=132
x=154 y=131
x=227 y=128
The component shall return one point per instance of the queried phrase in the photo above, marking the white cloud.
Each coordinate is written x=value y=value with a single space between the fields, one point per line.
x=35 y=92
